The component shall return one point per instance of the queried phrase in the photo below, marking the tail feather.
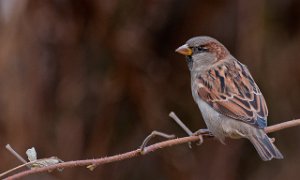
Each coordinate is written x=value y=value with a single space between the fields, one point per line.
x=265 y=148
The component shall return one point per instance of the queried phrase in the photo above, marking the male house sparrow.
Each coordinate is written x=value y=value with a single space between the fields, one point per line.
x=228 y=98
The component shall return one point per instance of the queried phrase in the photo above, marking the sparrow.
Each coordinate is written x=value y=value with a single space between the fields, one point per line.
x=228 y=97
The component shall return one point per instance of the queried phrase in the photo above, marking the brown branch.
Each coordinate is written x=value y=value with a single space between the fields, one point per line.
x=281 y=126
x=137 y=152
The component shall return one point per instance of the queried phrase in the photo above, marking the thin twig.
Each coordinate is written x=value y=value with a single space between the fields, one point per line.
x=17 y=155
x=151 y=136
x=180 y=123
x=137 y=152
x=15 y=168
x=186 y=129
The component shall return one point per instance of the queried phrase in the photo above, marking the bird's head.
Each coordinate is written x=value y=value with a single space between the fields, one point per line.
x=202 y=52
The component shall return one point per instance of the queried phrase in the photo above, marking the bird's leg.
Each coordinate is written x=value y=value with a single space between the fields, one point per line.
x=152 y=135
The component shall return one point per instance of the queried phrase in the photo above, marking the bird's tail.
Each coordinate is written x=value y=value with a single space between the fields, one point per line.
x=264 y=146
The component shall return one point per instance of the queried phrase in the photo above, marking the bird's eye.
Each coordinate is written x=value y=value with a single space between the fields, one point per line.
x=199 y=49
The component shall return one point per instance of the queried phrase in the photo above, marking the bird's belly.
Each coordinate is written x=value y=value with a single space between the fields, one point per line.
x=219 y=125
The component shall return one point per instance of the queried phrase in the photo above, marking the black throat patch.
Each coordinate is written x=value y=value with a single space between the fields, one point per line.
x=189 y=61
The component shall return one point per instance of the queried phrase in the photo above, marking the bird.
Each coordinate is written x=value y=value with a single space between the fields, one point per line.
x=230 y=101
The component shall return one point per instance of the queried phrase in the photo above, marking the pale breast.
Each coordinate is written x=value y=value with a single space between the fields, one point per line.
x=220 y=125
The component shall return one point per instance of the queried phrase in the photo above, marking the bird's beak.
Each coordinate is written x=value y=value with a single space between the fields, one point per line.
x=184 y=50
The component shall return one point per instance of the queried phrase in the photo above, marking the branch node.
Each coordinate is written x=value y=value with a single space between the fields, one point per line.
x=151 y=136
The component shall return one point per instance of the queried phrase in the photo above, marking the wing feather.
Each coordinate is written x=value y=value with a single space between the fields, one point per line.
x=230 y=89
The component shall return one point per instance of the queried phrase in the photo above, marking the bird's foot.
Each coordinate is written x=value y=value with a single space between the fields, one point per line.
x=200 y=133
x=203 y=132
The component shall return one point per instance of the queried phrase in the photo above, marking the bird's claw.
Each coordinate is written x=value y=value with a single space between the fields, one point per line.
x=200 y=140
x=197 y=143
x=200 y=133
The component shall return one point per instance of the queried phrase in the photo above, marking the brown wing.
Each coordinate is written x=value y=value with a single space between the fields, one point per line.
x=235 y=94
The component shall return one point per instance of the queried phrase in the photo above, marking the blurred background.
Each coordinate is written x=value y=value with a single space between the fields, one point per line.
x=85 y=79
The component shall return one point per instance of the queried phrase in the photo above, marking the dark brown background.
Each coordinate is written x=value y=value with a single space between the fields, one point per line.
x=83 y=79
